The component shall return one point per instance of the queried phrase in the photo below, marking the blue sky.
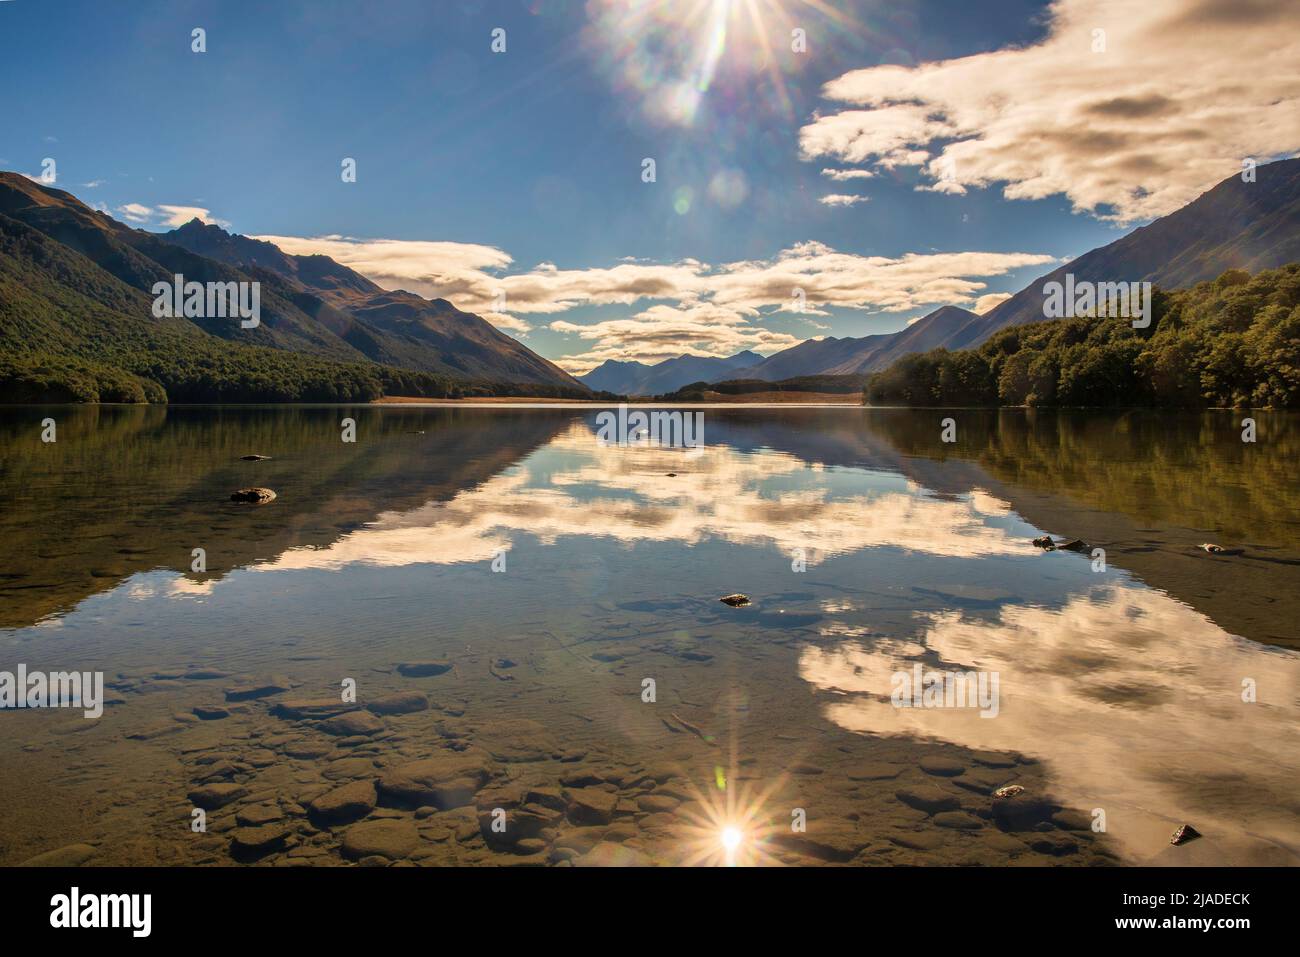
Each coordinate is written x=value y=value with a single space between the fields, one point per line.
x=478 y=167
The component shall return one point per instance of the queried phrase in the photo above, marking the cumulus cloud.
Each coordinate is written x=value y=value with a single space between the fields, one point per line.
x=167 y=215
x=841 y=175
x=682 y=307
x=1130 y=108
x=987 y=301
x=842 y=199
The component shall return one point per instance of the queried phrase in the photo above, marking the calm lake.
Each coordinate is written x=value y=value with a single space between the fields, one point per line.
x=543 y=671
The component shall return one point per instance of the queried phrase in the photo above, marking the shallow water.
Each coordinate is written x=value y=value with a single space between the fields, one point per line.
x=867 y=545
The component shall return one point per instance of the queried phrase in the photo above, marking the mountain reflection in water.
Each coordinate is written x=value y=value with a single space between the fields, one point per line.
x=1125 y=683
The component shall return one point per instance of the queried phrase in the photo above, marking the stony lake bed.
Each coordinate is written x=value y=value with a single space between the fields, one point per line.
x=500 y=717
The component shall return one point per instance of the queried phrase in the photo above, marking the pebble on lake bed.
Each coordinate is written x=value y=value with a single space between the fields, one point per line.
x=1010 y=791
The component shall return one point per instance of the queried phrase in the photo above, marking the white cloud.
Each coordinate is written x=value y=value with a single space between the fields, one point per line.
x=180 y=215
x=684 y=307
x=1183 y=92
x=135 y=212
x=841 y=199
x=987 y=301
x=167 y=215
x=841 y=175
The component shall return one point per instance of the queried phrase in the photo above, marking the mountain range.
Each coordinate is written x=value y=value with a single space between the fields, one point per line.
x=1239 y=224
x=639 y=378
x=75 y=284
x=75 y=303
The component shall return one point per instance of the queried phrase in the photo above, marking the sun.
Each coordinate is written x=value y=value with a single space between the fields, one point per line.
x=671 y=54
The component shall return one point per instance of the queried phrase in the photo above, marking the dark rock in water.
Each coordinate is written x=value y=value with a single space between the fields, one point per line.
x=588 y=806
x=504 y=663
x=1021 y=811
x=449 y=779
x=73 y=855
x=252 y=841
x=1220 y=550
x=1070 y=545
x=1184 y=834
x=393 y=839
x=343 y=805
x=257 y=688
x=1054 y=843
x=735 y=601
x=255 y=458
x=211 y=714
x=351 y=724
x=928 y=798
x=214 y=796
x=401 y=702
x=423 y=669
x=958 y=820
x=296 y=708
x=258 y=814
x=254 y=495
x=672 y=475
x=942 y=767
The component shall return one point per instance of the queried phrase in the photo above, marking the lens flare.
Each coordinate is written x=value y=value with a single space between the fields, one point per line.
x=673 y=55
x=731 y=838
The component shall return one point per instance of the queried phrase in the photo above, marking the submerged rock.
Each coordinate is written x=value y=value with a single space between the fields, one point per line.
x=254 y=495
x=423 y=669
x=296 y=708
x=928 y=798
x=1010 y=791
x=391 y=839
x=214 y=796
x=400 y=702
x=588 y=806
x=72 y=855
x=447 y=780
x=257 y=840
x=250 y=688
x=343 y=805
x=735 y=601
x=1183 y=835
x=351 y=724
x=255 y=457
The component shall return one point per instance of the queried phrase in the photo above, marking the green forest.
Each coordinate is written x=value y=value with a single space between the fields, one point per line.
x=1233 y=342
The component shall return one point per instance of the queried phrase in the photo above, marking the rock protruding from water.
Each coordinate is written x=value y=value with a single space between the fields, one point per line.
x=735 y=601
x=1183 y=835
x=255 y=457
x=254 y=495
